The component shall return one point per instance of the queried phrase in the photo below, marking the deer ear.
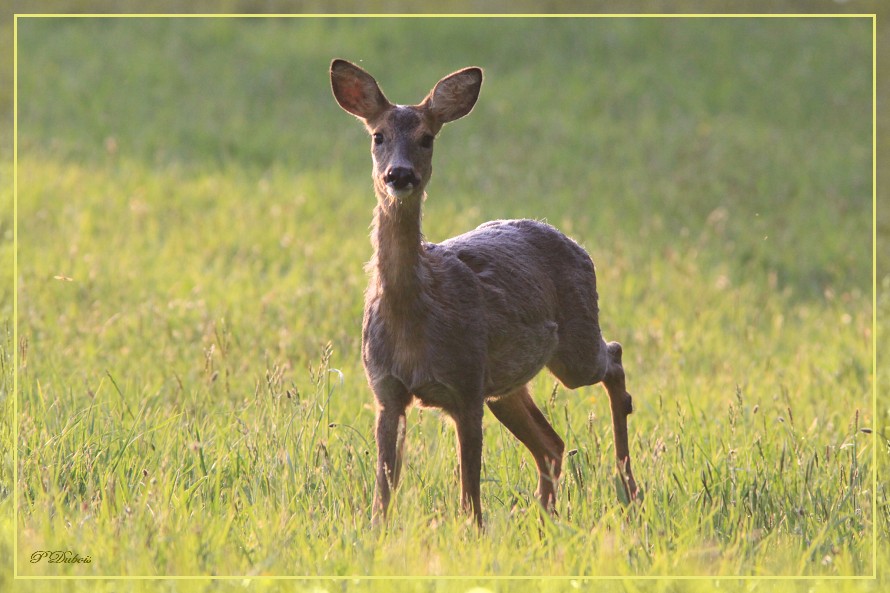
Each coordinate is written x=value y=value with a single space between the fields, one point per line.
x=356 y=91
x=454 y=96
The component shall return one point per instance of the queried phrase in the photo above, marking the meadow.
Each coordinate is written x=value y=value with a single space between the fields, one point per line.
x=193 y=212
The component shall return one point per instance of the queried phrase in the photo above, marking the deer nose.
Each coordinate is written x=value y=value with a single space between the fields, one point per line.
x=401 y=177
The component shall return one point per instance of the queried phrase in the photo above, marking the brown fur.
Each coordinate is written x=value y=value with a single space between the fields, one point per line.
x=473 y=319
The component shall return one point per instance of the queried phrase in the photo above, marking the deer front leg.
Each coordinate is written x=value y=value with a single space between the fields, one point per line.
x=469 y=445
x=392 y=403
x=621 y=405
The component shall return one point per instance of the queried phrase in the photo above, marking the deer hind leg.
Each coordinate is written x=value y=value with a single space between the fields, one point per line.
x=518 y=412
x=582 y=357
x=621 y=404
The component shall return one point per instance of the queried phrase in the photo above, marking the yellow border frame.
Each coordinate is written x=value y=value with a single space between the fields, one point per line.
x=873 y=576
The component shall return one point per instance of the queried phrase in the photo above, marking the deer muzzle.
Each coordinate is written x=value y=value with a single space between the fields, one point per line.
x=401 y=181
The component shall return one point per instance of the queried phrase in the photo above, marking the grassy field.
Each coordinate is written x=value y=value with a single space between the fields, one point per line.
x=193 y=214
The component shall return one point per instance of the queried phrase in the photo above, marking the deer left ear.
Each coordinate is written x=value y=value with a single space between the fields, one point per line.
x=455 y=95
x=356 y=91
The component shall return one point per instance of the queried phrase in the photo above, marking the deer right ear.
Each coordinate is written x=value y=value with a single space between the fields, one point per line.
x=455 y=95
x=356 y=91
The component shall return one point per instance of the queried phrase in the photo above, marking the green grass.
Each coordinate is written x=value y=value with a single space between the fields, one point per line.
x=193 y=221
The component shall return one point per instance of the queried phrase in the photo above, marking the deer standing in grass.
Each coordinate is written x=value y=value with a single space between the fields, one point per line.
x=469 y=321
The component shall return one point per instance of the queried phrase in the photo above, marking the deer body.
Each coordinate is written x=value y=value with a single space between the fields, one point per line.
x=473 y=319
x=510 y=280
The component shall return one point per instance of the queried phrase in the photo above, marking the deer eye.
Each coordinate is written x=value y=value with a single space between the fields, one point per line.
x=426 y=141
x=378 y=138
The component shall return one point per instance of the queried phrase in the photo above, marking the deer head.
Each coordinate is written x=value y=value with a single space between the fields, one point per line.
x=403 y=135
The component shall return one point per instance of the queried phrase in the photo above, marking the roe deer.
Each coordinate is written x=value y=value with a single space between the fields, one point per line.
x=472 y=320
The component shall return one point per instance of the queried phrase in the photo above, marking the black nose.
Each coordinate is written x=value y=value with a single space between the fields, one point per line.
x=401 y=177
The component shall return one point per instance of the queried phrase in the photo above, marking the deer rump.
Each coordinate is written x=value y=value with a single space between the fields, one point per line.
x=526 y=297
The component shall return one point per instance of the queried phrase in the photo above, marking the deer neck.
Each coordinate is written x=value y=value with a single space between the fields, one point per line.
x=398 y=266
